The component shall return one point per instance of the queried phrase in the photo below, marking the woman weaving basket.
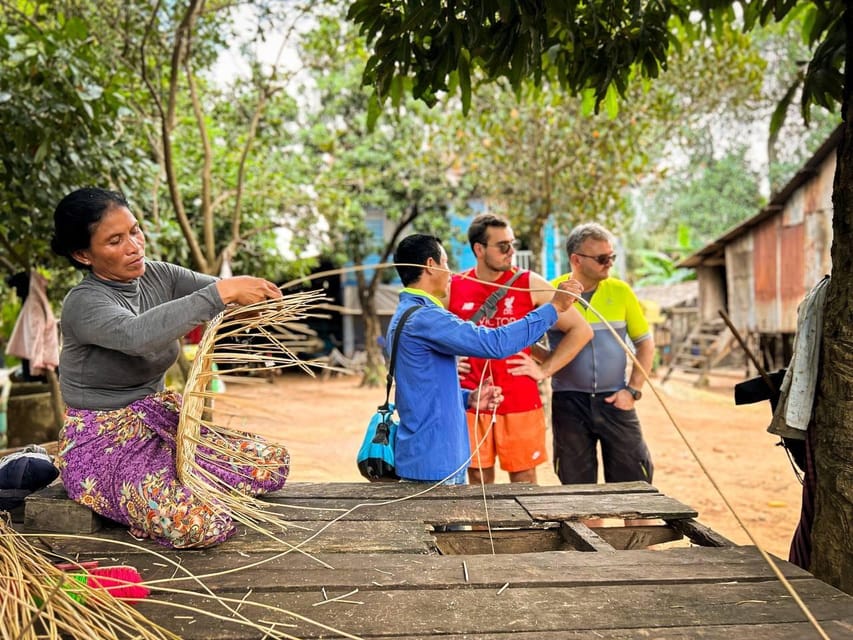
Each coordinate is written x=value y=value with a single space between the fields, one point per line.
x=120 y=328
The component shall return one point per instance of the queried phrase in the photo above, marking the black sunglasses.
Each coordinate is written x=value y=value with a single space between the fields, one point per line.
x=604 y=258
x=504 y=246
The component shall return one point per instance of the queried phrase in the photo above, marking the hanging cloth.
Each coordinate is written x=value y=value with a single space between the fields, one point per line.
x=35 y=336
x=794 y=410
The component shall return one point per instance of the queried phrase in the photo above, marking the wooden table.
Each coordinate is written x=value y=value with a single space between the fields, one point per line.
x=402 y=570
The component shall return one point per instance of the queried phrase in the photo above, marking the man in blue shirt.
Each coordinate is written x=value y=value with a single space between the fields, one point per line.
x=432 y=440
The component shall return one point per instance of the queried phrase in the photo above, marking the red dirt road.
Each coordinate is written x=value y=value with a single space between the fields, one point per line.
x=322 y=423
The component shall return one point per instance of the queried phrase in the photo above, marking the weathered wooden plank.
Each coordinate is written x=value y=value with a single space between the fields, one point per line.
x=479 y=611
x=499 y=512
x=637 y=536
x=835 y=629
x=235 y=570
x=50 y=509
x=500 y=541
x=340 y=537
x=410 y=592
x=582 y=538
x=392 y=490
x=548 y=538
x=579 y=507
x=699 y=534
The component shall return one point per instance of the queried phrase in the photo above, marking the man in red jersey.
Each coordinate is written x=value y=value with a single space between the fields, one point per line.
x=518 y=435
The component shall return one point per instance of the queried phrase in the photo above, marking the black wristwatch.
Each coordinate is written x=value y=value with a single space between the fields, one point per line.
x=635 y=393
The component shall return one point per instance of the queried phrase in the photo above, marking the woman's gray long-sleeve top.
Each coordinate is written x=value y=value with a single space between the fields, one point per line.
x=120 y=338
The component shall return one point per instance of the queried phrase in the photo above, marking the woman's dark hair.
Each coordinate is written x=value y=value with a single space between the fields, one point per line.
x=414 y=250
x=76 y=217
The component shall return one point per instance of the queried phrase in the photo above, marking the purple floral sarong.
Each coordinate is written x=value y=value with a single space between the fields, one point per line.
x=121 y=464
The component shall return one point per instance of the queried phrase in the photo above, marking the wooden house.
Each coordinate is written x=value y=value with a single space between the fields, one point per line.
x=671 y=313
x=760 y=270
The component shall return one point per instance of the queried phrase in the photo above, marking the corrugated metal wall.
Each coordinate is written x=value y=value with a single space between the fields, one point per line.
x=765 y=266
x=783 y=256
x=739 y=282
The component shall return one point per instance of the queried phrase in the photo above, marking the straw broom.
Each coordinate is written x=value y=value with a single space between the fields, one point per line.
x=266 y=335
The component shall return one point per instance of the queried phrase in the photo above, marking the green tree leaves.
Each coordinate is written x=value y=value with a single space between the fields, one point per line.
x=65 y=124
x=373 y=184
x=580 y=45
x=596 y=45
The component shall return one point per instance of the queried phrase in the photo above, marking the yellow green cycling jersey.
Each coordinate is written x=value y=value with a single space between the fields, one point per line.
x=600 y=366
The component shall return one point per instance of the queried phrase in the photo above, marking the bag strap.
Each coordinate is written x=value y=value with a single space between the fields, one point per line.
x=389 y=380
x=488 y=308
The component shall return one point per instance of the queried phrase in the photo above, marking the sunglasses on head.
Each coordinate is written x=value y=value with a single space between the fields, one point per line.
x=604 y=258
x=504 y=246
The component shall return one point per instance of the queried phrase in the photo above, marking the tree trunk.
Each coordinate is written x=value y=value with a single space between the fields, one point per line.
x=374 y=368
x=534 y=243
x=832 y=542
x=536 y=232
x=56 y=400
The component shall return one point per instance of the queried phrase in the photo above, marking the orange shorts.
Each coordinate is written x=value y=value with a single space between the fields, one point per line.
x=518 y=439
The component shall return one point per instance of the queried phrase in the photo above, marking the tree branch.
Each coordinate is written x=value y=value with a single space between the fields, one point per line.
x=13 y=7
x=179 y=50
x=8 y=265
x=408 y=218
x=207 y=161
x=17 y=257
x=265 y=92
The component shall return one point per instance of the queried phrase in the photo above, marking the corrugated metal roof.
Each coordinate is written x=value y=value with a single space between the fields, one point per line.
x=715 y=250
x=670 y=295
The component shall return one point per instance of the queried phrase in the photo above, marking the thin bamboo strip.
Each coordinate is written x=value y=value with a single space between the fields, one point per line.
x=255 y=514
x=259 y=510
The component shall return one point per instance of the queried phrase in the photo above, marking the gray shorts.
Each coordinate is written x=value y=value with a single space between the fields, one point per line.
x=580 y=422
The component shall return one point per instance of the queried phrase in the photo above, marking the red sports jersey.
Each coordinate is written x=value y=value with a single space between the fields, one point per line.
x=467 y=295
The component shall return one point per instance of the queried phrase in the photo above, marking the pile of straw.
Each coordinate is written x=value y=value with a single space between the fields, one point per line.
x=40 y=601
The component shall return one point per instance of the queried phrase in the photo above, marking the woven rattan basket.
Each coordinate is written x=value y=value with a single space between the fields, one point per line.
x=258 y=338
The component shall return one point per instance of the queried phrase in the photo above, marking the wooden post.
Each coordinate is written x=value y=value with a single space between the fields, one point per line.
x=746 y=349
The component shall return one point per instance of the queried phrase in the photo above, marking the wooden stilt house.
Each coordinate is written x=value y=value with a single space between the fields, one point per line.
x=759 y=271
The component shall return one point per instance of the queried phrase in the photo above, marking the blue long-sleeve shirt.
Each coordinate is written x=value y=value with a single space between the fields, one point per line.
x=432 y=440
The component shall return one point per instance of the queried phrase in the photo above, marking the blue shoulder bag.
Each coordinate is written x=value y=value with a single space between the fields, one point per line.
x=376 y=456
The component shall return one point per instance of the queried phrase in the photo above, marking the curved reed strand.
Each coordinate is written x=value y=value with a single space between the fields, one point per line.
x=252 y=337
x=729 y=506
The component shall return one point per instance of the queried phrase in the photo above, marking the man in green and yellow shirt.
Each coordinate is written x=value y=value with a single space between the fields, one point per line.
x=592 y=402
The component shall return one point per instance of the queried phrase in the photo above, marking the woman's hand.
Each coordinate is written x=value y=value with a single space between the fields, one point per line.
x=244 y=290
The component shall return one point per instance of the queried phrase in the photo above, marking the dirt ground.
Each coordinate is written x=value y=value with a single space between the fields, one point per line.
x=322 y=423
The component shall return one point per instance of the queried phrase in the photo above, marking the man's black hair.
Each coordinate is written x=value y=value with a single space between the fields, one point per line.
x=414 y=250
